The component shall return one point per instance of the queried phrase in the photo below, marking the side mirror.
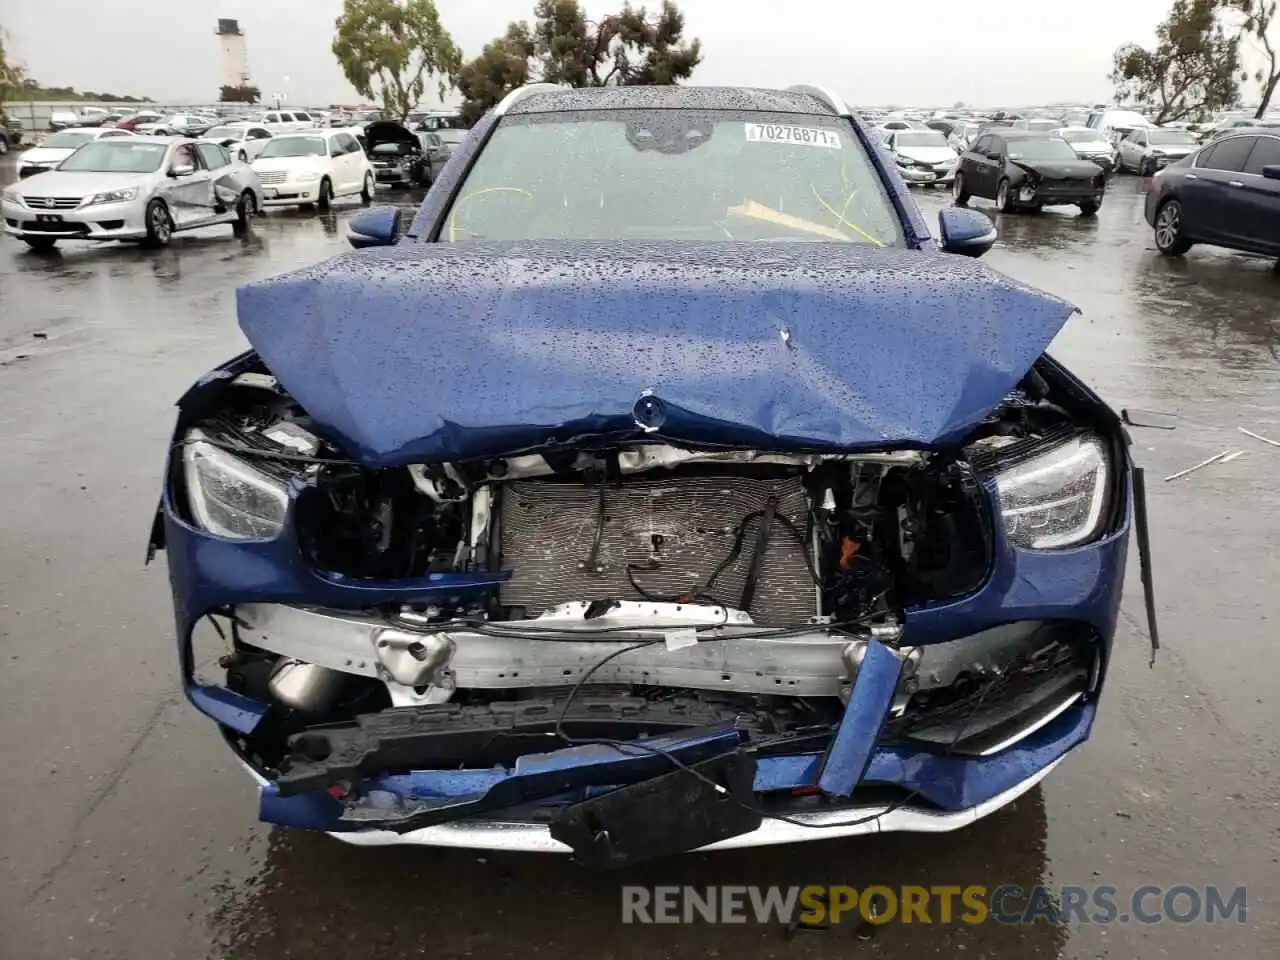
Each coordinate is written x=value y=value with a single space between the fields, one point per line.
x=965 y=232
x=1271 y=171
x=181 y=170
x=376 y=227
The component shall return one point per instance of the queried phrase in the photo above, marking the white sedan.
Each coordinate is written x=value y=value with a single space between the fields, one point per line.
x=58 y=146
x=245 y=140
x=313 y=168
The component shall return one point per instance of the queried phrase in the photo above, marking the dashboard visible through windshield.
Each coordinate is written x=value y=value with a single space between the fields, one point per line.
x=673 y=175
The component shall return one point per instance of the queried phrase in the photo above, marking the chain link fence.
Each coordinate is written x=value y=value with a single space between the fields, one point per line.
x=33 y=117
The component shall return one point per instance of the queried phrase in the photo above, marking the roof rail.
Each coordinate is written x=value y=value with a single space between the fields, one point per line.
x=519 y=93
x=829 y=97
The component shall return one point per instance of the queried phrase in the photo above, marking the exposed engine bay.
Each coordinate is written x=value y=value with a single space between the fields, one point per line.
x=785 y=557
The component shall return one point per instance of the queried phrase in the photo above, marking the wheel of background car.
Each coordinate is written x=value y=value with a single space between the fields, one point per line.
x=366 y=192
x=244 y=210
x=1170 y=238
x=244 y=157
x=159 y=224
x=325 y=195
x=1089 y=208
x=958 y=191
x=1004 y=199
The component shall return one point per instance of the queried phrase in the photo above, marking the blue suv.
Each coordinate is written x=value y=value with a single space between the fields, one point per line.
x=666 y=485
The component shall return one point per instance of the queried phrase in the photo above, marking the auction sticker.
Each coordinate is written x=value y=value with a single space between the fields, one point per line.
x=785 y=133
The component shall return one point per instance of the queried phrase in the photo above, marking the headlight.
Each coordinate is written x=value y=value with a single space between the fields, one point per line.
x=13 y=196
x=114 y=196
x=311 y=177
x=229 y=497
x=902 y=161
x=1056 y=499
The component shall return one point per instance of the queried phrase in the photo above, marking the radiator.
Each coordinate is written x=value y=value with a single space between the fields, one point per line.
x=675 y=532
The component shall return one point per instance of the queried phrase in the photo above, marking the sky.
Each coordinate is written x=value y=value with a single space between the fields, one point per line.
x=917 y=53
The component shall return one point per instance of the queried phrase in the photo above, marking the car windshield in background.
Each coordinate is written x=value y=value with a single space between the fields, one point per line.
x=1171 y=138
x=67 y=140
x=116 y=156
x=921 y=139
x=1050 y=148
x=225 y=133
x=451 y=135
x=1083 y=135
x=1042 y=126
x=295 y=147
x=673 y=175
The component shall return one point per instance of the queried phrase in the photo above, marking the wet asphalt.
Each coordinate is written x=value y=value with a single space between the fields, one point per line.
x=126 y=830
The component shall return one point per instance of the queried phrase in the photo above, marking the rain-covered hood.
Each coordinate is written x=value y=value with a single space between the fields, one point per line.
x=50 y=155
x=437 y=352
x=1060 y=169
x=931 y=155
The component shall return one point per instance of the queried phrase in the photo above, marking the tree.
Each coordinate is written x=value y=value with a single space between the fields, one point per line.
x=1191 y=70
x=1257 y=17
x=240 y=94
x=563 y=46
x=12 y=74
x=389 y=49
x=502 y=66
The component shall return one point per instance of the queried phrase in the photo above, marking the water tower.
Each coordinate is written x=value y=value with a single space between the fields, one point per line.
x=235 y=57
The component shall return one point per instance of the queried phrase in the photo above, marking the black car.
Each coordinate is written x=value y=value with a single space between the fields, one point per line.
x=397 y=154
x=1023 y=170
x=1227 y=194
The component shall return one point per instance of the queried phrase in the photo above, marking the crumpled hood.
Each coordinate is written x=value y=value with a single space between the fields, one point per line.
x=1060 y=169
x=928 y=154
x=437 y=352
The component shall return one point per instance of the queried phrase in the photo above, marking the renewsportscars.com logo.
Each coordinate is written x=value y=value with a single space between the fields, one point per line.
x=1007 y=904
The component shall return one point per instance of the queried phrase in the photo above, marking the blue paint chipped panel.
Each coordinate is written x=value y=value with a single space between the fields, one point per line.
x=428 y=353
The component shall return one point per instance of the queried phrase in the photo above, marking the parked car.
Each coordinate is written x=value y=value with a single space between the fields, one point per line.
x=667 y=453
x=93 y=116
x=923 y=156
x=284 y=121
x=1028 y=171
x=58 y=146
x=889 y=126
x=1146 y=151
x=440 y=145
x=396 y=153
x=315 y=167
x=63 y=119
x=10 y=134
x=189 y=124
x=1089 y=144
x=141 y=118
x=244 y=140
x=1114 y=125
x=132 y=188
x=1226 y=195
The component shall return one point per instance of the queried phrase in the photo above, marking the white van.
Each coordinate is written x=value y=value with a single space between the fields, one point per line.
x=1115 y=125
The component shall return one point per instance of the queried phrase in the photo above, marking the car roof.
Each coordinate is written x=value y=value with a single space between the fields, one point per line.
x=670 y=97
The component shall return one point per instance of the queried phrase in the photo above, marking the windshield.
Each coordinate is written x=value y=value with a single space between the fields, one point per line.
x=1181 y=137
x=451 y=136
x=295 y=147
x=225 y=133
x=1050 y=148
x=921 y=139
x=673 y=174
x=1081 y=136
x=67 y=140
x=122 y=155
x=1042 y=126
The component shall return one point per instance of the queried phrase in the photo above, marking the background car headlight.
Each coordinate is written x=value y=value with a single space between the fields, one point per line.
x=1057 y=498
x=307 y=177
x=114 y=196
x=229 y=497
x=13 y=196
